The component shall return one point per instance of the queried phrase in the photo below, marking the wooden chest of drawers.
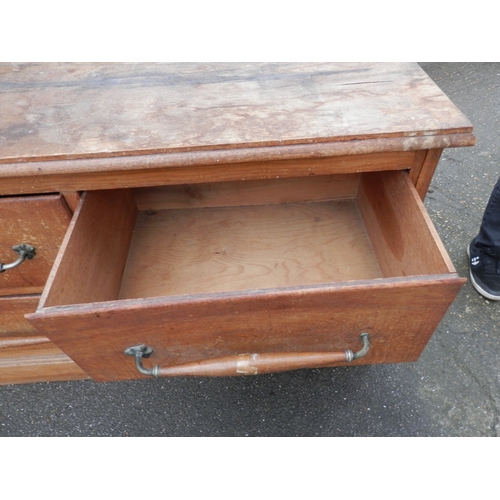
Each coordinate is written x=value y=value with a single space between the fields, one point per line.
x=228 y=218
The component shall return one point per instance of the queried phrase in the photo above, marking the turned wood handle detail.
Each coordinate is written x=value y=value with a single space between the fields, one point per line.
x=247 y=364
x=24 y=251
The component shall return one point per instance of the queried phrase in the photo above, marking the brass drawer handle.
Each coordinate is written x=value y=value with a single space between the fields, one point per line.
x=247 y=364
x=24 y=251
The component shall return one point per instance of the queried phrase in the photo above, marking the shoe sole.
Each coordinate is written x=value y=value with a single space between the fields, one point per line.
x=480 y=290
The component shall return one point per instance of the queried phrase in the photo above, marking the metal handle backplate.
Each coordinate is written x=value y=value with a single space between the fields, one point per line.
x=24 y=251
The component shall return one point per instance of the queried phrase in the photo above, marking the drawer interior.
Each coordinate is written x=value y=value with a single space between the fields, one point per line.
x=235 y=236
x=184 y=251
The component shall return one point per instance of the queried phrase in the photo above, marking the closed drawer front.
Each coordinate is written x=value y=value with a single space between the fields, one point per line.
x=284 y=267
x=25 y=355
x=38 y=221
x=35 y=359
x=12 y=311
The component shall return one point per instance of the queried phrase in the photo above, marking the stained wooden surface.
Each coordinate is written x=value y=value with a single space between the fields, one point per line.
x=202 y=283
x=106 y=126
x=40 y=221
x=73 y=127
x=93 y=254
x=25 y=355
x=426 y=172
x=35 y=359
x=177 y=252
x=400 y=315
x=61 y=110
x=253 y=364
x=402 y=235
x=72 y=198
x=242 y=193
x=12 y=311
x=198 y=167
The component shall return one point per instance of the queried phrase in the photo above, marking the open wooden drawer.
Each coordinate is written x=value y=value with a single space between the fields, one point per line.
x=288 y=271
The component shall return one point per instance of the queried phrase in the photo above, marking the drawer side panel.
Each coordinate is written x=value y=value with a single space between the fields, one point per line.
x=402 y=234
x=90 y=264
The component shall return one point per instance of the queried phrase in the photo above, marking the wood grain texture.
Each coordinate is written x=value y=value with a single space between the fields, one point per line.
x=418 y=164
x=427 y=172
x=12 y=311
x=399 y=314
x=202 y=283
x=40 y=221
x=400 y=229
x=77 y=110
x=189 y=168
x=90 y=264
x=72 y=199
x=176 y=252
x=73 y=127
x=32 y=342
x=35 y=359
x=241 y=193
x=254 y=364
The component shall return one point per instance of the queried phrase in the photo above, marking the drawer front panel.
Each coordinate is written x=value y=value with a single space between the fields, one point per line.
x=400 y=316
x=40 y=221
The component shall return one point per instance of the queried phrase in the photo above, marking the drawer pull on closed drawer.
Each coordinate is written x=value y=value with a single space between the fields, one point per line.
x=247 y=364
x=24 y=251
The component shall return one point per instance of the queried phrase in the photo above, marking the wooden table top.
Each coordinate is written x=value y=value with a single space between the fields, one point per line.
x=61 y=111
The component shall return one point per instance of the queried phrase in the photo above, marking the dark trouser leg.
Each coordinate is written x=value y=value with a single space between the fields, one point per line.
x=489 y=233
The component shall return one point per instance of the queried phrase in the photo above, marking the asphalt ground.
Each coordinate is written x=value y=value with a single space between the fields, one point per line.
x=453 y=390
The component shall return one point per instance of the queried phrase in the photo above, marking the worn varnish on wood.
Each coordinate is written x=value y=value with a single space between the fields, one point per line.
x=40 y=221
x=229 y=209
x=81 y=110
x=138 y=124
x=35 y=359
x=290 y=275
x=12 y=311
